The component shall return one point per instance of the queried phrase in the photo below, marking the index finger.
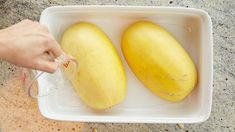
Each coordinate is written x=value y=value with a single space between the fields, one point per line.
x=55 y=48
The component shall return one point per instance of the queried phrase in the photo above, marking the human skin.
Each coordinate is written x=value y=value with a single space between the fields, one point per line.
x=29 y=44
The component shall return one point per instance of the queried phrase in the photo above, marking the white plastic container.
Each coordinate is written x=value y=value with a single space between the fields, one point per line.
x=191 y=27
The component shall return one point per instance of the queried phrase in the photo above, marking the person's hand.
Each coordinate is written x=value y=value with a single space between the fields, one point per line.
x=29 y=44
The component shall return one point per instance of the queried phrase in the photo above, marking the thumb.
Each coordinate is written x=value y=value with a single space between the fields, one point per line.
x=47 y=66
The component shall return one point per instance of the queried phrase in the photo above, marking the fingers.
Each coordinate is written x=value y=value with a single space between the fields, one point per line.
x=46 y=66
x=51 y=43
x=46 y=63
x=47 y=56
x=56 y=50
x=44 y=28
x=51 y=46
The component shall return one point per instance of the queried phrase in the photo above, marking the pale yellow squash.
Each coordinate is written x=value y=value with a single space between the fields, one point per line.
x=159 y=61
x=100 y=81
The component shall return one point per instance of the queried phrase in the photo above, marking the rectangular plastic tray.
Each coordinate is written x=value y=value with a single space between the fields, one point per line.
x=191 y=27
